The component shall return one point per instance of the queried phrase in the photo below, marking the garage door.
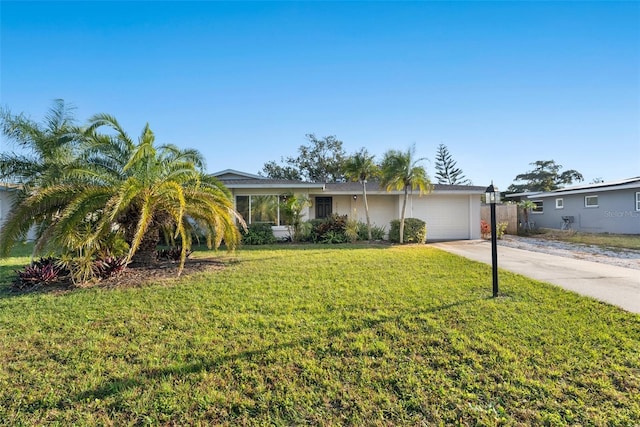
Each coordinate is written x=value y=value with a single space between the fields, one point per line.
x=447 y=217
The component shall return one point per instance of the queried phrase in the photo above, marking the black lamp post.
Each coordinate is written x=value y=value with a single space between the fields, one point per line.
x=492 y=196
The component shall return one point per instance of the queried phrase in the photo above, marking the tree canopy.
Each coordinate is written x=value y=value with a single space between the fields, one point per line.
x=545 y=176
x=401 y=170
x=446 y=170
x=115 y=192
x=45 y=149
x=361 y=167
x=322 y=160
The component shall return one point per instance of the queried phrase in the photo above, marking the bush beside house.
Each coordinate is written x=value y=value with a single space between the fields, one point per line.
x=258 y=234
x=415 y=231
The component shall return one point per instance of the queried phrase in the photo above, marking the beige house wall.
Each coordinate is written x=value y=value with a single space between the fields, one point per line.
x=382 y=209
x=448 y=215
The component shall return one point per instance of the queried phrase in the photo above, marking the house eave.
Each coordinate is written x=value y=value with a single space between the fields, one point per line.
x=587 y=190
x=400 y=192
x=302 y=185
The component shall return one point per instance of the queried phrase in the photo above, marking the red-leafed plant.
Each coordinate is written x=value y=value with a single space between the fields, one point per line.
x=485 y=229
x=108 y=266
x=45 y=271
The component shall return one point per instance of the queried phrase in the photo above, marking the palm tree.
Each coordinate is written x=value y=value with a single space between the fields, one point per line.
x=293 y=208
x=361 y=167
x=401 y=171
x=157 y=188
x=44 y=151
x=134 y=190
x=527 y=206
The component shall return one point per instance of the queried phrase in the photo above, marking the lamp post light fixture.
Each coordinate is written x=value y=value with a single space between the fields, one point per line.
x=492 y=196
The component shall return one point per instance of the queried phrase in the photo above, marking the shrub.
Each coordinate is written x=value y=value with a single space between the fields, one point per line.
x=292 y=210
x=377 y=233
x=172 y=254
x=333 y=237
x=415 y=231
x=351 y=230
x=304 y=232
x=258 y=234
x=109 y=266
x=329 y=230
x=45 y=271
x=485 y=229
x=501 y=228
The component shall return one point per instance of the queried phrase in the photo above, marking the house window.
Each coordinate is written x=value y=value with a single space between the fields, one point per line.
x=538 y=208
x=263 y=209
x=638 y=201
x=559 y=203
x=590 y=201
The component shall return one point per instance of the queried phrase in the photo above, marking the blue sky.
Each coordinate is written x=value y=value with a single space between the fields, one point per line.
x=501 y=84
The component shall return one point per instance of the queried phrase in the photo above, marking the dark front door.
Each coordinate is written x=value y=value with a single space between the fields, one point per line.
x=323 y=207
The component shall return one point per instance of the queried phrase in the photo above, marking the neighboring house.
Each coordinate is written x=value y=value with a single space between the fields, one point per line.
x=606 y=207
x=452 y=212
x=7 y=198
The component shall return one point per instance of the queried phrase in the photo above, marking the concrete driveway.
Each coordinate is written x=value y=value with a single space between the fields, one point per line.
x=616 y=285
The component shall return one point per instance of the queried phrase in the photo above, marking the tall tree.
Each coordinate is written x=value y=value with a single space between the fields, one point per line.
x=446 y=170
x=156 y=187
x=44 y=152
x=401 y=170
x=273 y=170
x=545 y=176
x=132 y=189
x=320 y=161
x=361 y=167
x=44 y=149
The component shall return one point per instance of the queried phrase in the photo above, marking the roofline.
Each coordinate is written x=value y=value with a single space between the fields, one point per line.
x=8 y=186
x=400 y=192
x=599 y=189
x=618 y=182
x=237 y=172
x=279 y=185
x=525 y=194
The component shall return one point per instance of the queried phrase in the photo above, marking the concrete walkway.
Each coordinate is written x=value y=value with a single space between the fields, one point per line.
x=616 y=285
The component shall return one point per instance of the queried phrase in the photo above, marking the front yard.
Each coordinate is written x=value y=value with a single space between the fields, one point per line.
x=323 y=336
x=604 y=240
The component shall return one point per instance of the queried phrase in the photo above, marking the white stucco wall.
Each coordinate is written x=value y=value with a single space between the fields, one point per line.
x=5 y=205
x=382 y=209
x=7 y=198
x=448 y=216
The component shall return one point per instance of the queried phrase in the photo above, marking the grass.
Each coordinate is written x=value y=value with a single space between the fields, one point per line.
x=320 y=336
x=604 y=240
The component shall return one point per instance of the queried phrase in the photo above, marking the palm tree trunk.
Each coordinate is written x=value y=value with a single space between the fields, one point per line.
x=146 y=253
x=366 y=208
x=404 y=208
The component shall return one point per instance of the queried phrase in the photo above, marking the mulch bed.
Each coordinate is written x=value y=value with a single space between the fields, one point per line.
x=136 y=276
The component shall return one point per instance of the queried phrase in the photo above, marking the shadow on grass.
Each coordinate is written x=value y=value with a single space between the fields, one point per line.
x=8 y=272
x=121 y=384
x=318 y=246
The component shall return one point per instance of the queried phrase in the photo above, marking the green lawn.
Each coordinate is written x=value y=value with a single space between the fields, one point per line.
x=322 y=336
